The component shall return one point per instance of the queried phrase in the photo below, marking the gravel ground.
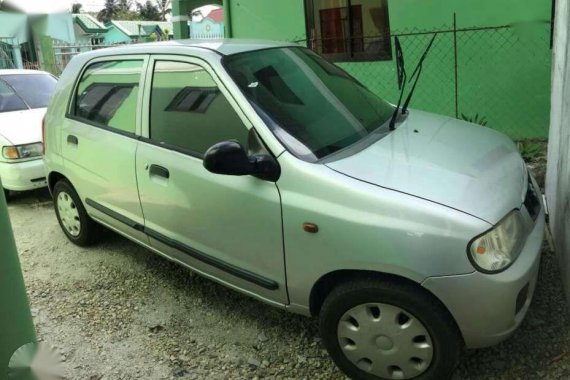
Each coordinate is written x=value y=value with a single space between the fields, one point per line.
x=117 y=311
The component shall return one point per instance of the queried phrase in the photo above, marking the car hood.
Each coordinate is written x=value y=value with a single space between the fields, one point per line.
x=22 y=127
x=454 y=163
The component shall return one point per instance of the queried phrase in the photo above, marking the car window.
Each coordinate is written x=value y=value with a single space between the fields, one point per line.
x=188 y=110
x=311 y=105
x=35 y=90
x=107 y=94
x=9 y=100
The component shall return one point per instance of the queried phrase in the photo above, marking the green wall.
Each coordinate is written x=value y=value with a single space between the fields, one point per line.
x=427 y=14
x=502 y=74
x=16 y=325
x=48 y=56
x=274 y=19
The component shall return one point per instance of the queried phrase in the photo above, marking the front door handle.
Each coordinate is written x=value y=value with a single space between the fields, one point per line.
x=156 y=170
x=72 y=140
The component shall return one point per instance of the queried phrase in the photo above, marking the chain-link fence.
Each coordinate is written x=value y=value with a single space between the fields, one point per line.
x=498 y=76
x=14 y=55
x=7 y=46
x=57 y=54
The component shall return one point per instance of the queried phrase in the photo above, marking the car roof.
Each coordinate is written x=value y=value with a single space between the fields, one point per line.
x=220 y=46
x=21 y=72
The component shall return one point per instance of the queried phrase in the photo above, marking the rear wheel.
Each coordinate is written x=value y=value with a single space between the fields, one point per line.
x=79 y=228
x=376 y=330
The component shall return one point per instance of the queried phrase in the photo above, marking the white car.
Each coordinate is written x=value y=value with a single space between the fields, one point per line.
x=24 y=96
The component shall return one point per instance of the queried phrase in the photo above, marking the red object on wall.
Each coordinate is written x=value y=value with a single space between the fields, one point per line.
x=332 y=32
x=334 y=35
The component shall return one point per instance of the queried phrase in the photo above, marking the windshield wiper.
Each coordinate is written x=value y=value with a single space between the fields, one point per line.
x=401 y=71
x=417 y=73
x=402 y=77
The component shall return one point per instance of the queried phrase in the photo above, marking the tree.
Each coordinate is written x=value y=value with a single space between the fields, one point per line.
x=76 y=7
x=128 y=16
x=124 y=5
x=164 y=8
x=108 y=12
x=125 y=11
x=117 y=10
x=148 y=11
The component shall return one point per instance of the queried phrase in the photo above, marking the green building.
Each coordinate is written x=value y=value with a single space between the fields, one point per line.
x=26 y=35
x=121 y=32
x=88 y=30
x=490 y=63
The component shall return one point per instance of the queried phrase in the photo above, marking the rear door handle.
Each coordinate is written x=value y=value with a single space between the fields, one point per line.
x=72 y=140
x=156 y=170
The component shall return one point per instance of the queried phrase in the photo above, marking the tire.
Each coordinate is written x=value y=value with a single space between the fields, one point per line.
x=79 y=228
x=7 y=195
x=391 y=315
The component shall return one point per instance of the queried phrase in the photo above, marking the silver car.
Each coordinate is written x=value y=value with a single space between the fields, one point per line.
x=266 y=168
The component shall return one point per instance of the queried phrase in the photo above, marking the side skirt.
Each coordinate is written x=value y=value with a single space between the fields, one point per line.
x=207 y=259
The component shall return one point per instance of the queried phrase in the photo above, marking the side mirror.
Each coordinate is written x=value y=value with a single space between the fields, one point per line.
x=229 y=158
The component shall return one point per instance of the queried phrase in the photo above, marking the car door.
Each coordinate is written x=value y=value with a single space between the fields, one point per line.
x=226 y=227
x=100 y=138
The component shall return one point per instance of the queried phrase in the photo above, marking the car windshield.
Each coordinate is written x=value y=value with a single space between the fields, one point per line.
x=25 y=91
x=312 y=106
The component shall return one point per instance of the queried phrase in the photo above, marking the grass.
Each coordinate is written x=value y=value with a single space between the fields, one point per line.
x=475 y=119
x=533 y=151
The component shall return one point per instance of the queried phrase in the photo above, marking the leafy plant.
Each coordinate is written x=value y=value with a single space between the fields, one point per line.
x=475 y=119
x=532 y=151
x=153 y=37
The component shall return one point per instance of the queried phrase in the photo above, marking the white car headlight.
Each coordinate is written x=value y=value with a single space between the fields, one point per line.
x=22 y=151
x=498 y=248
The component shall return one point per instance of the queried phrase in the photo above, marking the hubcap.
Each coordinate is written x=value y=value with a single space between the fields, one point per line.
x=68 y=214
x=385 y=341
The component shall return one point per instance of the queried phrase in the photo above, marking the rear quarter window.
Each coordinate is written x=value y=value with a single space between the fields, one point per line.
x=107 y=94
x=35 y=90
x=9 y=100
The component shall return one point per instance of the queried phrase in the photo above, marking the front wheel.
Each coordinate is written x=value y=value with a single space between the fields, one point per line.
x=376 y=330
x=79 y=228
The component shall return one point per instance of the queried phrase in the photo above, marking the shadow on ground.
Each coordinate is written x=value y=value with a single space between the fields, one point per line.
x=194 y=328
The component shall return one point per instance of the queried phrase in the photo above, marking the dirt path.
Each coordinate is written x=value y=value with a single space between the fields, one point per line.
x=119 y=312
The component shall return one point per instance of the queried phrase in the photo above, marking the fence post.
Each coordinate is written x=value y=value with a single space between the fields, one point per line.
x=17 y=54
x=16 y=326
x=456 y=65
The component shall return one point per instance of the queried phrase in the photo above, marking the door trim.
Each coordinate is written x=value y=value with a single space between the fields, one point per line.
x=212 y=261
x=115 y=215
x=207 y=259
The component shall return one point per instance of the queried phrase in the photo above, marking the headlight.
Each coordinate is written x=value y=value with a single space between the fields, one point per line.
x=22 y=151
x=498 y=248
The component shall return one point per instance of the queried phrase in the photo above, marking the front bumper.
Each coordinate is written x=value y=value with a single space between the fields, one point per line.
x=489 y=308
x=24 y=175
